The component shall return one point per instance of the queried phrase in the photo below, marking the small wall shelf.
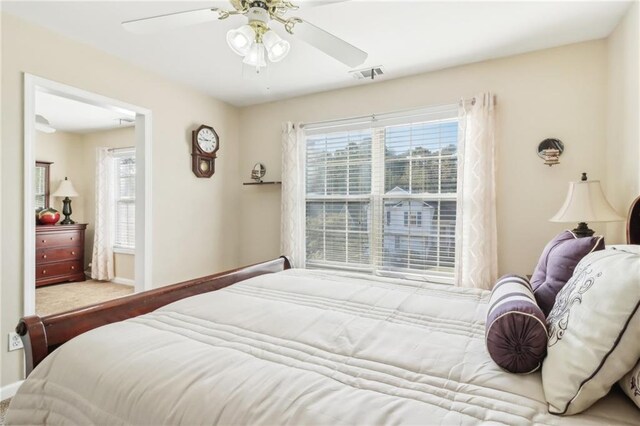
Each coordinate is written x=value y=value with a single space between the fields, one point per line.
x=262 y=183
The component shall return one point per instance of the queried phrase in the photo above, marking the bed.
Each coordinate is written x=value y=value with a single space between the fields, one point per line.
x=267 y=344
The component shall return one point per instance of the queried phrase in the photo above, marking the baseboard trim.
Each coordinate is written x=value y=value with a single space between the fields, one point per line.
x=123 y=281
x=10 y=390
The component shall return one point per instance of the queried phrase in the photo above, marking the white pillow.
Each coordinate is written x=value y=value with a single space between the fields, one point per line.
x=630 y=384
x=633 y=248
x=594 y=330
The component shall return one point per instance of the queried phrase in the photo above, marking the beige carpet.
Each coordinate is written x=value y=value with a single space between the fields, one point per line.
x=58 y=298
x=3 y=410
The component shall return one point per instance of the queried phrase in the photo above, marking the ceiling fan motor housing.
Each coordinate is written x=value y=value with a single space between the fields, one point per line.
x=258 y=14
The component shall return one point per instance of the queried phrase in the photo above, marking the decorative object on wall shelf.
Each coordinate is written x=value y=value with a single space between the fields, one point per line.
x=258 y=172
x=586 y=202
x=48 y=216
x=67 y=191
x=550 y=151
x=204 y=147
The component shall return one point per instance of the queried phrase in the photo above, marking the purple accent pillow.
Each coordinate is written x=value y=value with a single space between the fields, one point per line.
x=516 y=334
x=557 y=262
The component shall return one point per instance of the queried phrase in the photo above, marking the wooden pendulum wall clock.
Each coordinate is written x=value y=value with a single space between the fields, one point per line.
x=205 y=144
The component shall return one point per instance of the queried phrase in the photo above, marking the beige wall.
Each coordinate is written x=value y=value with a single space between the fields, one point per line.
x=552 y=93
x=63 y=150
x=124 y=266
x=623 y=119
x=73 y=156
x=189 y=214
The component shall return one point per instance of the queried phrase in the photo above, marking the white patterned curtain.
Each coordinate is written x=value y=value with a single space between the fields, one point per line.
x=102 y=259
x=476 y=235
x=293 y=204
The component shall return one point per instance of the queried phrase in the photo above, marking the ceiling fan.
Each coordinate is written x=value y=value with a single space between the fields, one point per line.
x=255 y=39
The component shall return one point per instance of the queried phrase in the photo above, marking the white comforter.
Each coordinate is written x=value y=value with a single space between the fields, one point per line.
x=296 y=347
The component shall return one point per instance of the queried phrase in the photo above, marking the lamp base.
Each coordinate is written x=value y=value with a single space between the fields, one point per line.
x=66 y=211
x=583 y=230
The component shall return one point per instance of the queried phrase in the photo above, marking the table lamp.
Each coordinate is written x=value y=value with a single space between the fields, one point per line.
x=585 y=202
x=66 y=190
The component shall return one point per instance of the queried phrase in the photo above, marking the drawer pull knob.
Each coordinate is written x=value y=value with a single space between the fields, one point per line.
x=44 y=256
x=73 y=267
x=44 y=241
x=44 y=271
x=73 y=253
x=71 y=238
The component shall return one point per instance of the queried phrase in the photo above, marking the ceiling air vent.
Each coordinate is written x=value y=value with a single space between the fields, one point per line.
x=367 y=73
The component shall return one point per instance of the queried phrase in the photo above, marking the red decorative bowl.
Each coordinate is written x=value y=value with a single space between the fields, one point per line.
x=48 y=216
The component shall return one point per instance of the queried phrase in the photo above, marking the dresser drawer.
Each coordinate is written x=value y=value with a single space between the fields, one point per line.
x=59 y=268
x=58 y=254
x=45 y=240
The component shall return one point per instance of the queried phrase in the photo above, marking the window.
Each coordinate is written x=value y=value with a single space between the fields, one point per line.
x=124 y=166
x=381 y=196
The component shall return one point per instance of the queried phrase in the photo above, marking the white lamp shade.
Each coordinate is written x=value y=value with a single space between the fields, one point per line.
x=586 y=202
x=43 y=125
x=65 y=189
x=240 y=40
x=255 y=57
x=277 y=48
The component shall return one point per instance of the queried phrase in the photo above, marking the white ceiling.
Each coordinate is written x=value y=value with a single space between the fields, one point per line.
x=68 y=115
x=405 y=37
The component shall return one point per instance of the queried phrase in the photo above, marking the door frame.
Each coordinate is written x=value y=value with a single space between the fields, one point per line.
x=143 y=127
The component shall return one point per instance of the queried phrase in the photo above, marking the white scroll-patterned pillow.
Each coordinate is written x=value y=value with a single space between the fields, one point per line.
x=594 y=330
x=630 y=384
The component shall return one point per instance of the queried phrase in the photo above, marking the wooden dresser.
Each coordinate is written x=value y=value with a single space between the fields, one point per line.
x=59 y=253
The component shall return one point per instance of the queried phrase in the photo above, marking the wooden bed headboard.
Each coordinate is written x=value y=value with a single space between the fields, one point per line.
x=633 y=223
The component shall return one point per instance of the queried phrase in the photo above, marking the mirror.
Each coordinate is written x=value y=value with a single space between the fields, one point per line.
x=41 y=185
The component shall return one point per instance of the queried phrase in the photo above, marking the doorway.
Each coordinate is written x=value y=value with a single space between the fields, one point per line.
x=87 y=157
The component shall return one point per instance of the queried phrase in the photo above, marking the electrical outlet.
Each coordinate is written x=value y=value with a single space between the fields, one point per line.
x=15 y=342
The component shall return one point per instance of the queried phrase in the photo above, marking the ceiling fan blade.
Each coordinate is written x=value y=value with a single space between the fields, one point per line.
x=315 y=3
x=171 y=21
x=330 y=44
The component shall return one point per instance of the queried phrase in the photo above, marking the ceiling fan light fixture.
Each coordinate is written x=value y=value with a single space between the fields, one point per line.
x=255 y=57
x=43 y=125
x=277 y=48
x=240 y=39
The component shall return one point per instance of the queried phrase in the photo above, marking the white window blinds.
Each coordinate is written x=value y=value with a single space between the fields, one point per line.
x=381 y=194
x=124 y=198
x=40 y=187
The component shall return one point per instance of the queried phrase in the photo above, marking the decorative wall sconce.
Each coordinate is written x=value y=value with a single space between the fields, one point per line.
x=550 y=151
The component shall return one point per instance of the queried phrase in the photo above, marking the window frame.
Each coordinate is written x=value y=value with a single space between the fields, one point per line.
x=377 y=199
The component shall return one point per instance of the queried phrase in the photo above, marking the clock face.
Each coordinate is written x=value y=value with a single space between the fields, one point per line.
x=207 y=140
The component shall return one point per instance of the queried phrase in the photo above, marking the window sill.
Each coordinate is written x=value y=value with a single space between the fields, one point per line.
x=122 y=250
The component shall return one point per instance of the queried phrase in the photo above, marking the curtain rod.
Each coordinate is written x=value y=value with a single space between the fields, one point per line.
x=374 y=115
x=470 y=101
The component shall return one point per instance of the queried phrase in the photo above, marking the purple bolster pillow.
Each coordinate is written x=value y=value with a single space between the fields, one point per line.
x=516 y=334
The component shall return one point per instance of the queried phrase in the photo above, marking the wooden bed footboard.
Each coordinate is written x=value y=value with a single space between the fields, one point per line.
x=41 y=336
